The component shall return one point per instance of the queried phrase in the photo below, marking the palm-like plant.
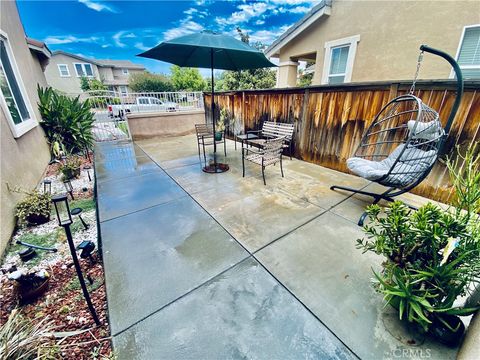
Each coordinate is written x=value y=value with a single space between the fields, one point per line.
x=67 y=121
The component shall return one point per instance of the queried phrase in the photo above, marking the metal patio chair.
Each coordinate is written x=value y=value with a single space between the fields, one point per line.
x=271 y=130
x=269 y=154
x=205 y=138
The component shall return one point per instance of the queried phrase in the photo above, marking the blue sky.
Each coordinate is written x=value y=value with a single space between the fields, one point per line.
x=122 y=29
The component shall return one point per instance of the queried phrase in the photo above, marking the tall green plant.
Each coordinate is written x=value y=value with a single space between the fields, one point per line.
x=432 y=255
x=67 y=121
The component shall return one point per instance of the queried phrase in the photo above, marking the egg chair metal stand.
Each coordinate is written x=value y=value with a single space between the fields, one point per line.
x=400 y=147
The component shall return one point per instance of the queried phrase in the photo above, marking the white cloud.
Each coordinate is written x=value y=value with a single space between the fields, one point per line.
x=299 y=10
x=68 y=39
x=259 y=22
x=267 y=36
x=117 y=38
x=187 y=26
x=245 y=13
x=293 y=2
x=142 y=46
x=97 y=6
x=190 y=11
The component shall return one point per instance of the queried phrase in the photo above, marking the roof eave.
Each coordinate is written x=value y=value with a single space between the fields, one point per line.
x=321 y=10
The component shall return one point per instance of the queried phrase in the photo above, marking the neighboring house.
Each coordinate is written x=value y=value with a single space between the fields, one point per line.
x=65 y=70
x=355 y=41
x=24 y=150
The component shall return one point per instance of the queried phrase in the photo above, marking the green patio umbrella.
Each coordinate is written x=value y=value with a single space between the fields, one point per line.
x=214 y=51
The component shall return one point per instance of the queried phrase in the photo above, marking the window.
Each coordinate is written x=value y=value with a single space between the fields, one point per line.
x=143 y=101
x=83 y=69
x=468 y=53
x=63 y=69
x=339 y=59
x=125 y=71
x=13 y=98
x=123 y=90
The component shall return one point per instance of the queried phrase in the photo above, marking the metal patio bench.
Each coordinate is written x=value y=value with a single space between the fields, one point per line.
x=269 y=154
x=272 y=130
x=205 y=138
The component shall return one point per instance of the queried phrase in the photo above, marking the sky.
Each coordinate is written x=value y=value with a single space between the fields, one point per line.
x=123 y=29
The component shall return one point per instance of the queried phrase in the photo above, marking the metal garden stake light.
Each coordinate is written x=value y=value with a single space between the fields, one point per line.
x=69 y=188
x=65 y=220
x=88 y=168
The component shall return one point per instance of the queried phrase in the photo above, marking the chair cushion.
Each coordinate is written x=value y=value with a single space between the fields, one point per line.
x=431 y=130
x=412 y=164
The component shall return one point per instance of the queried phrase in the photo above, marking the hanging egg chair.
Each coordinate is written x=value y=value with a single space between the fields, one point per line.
x=400 y=147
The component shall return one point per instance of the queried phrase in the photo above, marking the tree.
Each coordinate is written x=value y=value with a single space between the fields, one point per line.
x=87 y=84
x=187 y=79
x=148 y=82
x=247 y=79
x=305 y=79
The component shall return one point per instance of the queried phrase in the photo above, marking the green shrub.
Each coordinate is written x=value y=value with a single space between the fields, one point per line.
x=148 y=82
x=432 y=255
x=67 y=121
x=71 y=168
x=34 y=206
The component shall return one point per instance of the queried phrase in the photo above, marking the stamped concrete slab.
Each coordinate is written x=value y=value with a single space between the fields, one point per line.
x=123 y=196
x=154 y=256
x=241 y=314
x=121 y=168
x=320 y=264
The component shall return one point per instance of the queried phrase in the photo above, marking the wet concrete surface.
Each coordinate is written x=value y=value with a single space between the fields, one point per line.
x=181 y=248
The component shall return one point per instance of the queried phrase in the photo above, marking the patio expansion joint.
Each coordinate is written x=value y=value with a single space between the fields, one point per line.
x=252 y=255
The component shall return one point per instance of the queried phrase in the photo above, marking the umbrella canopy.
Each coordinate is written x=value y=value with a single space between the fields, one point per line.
x=195 y=50
x=214 y=51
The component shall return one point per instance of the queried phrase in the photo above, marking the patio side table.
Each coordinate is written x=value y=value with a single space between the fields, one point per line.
x=244 y=138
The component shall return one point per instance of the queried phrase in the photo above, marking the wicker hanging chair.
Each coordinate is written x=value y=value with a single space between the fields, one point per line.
x=400 y=147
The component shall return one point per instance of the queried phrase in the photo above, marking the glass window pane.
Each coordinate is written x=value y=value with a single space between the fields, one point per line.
x=470 y=50
x=338 y=62
x=10 y=89
x=79 y=69
x=88 y=69
x=336 y=79
x=471 y=73
x=63 y=70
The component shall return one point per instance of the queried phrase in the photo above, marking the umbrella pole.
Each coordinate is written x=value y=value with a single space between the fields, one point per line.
x=213 y=114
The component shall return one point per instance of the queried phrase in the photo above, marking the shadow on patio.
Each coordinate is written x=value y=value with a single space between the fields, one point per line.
x=220 y=266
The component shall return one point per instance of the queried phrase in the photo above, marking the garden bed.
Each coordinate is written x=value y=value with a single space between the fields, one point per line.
x=73 y=333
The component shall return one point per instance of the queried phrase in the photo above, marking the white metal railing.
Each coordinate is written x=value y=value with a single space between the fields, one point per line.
x=118 y=104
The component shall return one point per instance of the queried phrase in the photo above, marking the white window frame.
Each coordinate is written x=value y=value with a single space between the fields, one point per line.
x=452 y=72
x=83 y=69
x=17 y=129
x=350 y=41
x=125 y=71
x=120 y=90
x=60 y=70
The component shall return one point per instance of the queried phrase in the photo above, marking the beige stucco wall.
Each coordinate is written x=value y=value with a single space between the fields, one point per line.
x=105 y=73
x=71 y=84
x=390 y=35
x=147 y=125
x=23 y=160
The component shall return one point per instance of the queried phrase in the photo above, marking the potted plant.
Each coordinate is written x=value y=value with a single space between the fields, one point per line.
x=220 y=126
x=431 y=255
x=31 y=285
x=70 y=169
x=34 y=209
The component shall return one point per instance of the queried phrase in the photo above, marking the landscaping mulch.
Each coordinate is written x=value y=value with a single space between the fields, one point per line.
x=63 y=303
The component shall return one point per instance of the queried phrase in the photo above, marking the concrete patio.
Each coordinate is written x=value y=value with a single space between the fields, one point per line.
x=202 y=266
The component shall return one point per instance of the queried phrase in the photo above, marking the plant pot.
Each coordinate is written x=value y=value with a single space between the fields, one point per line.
x=218 y=136
x=36 y=219
x=31 y=291
x=443 y=333
x=71 y=174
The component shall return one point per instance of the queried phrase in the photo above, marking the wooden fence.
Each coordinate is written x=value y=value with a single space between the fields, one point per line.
x=330 y=120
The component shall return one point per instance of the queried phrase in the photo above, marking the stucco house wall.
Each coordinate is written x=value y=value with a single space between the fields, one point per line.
x=390 y=35
x=67 y=84
x=23 y=159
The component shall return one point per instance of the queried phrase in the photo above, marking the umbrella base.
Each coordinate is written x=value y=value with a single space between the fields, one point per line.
x=216 y=168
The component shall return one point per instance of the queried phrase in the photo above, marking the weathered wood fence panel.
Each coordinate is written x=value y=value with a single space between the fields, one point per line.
x=330 y=120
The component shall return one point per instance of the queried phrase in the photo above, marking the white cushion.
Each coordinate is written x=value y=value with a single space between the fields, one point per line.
x=427 y=131
x=411 y=165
